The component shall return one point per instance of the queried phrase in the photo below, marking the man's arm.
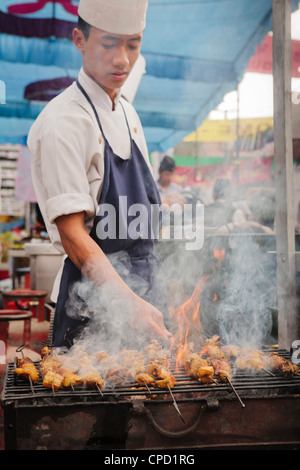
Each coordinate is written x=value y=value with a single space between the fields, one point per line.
x=94 y=265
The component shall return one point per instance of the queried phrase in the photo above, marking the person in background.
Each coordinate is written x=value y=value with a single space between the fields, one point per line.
x=269 y=193
x=223 y=210
x=170 y=192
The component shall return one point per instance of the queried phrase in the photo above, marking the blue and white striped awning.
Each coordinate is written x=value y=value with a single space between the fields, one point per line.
x=195 y=50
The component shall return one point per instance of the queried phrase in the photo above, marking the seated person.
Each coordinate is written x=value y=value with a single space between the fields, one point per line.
x=223 y=210
x=168 y=190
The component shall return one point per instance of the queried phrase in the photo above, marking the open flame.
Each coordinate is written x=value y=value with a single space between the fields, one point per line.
x=187 y=315
x=188 y=321
x=219 y=253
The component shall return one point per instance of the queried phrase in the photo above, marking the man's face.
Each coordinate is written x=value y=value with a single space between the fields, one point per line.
x=108 y=58
x=166 y=177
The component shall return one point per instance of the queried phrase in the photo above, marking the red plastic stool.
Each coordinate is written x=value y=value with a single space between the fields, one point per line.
x=31 y=298
x=7 y=316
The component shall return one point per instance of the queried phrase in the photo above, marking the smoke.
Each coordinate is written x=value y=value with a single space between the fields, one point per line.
x=238 y=301
x=107 y=313
x=242 y=295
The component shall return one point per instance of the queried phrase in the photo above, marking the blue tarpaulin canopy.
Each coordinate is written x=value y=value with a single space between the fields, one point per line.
x=195 y=50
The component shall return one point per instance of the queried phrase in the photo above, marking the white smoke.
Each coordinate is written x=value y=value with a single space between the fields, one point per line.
x=107 y=313
x=243 y=311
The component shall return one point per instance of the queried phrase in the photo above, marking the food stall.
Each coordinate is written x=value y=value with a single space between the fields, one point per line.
x=253 y=405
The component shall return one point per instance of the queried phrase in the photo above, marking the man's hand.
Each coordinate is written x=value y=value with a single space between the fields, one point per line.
x=147 y=320
x=95 y=266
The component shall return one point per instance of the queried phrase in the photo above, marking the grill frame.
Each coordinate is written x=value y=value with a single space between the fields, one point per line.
x=131 y=418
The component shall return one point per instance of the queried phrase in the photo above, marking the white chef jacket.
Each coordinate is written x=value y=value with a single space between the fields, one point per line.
x=67 y=151
x=173 y=188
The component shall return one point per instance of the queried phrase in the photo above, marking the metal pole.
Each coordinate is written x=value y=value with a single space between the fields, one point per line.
x=288 y=328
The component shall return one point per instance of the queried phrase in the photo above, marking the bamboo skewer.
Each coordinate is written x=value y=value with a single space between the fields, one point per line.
x=175 y=404
x=235 y=392
x=213 y=380
x=99 y=390
x=269 y=372
x=52 y=386
x=31 y=384
x=146 y=385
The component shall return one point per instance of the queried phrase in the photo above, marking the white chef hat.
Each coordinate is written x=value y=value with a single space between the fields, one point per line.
x=115 y=16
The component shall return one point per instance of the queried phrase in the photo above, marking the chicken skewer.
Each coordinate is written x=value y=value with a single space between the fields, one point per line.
x=49 y=366
x=130 y=367
x=250 y=358
x=26 y=368
x=93 y=380
x=158 y=364
x=63 y=370
x=195 y=365
x=52 y=380
x=133 y=364
x=141 y=367
x=78 y=368
x=167 y=380
x=200 y=369
x=57 y=371
x=283 y=365
x=217 y=358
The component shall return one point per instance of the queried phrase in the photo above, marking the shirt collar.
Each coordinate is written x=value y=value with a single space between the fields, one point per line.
x=98 y=96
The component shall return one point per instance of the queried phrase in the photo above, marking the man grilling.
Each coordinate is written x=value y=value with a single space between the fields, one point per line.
x=88 y=152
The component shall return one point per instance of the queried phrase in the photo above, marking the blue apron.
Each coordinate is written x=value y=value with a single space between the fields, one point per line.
x=131 y=182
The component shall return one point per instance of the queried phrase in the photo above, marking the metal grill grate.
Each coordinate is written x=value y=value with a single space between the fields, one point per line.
x=16 y=388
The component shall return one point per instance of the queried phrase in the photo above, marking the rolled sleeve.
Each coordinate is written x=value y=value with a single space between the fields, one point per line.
x=64 y=204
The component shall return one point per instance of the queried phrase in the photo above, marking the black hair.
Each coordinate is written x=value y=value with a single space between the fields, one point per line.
x=167 y=164
x=84 y=27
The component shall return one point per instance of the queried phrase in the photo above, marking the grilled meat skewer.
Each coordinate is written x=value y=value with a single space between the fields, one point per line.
x=26 y=369
x=278 y=363
x=52 y=380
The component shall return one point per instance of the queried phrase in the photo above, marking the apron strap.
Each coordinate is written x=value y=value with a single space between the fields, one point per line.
x=93 y=108
x=97 y=117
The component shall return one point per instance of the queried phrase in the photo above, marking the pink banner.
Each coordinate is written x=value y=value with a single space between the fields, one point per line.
x=262 y=61
x=32 y=7
x=254 y=170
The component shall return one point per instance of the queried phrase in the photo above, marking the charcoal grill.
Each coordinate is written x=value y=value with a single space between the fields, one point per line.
x=129 y=417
